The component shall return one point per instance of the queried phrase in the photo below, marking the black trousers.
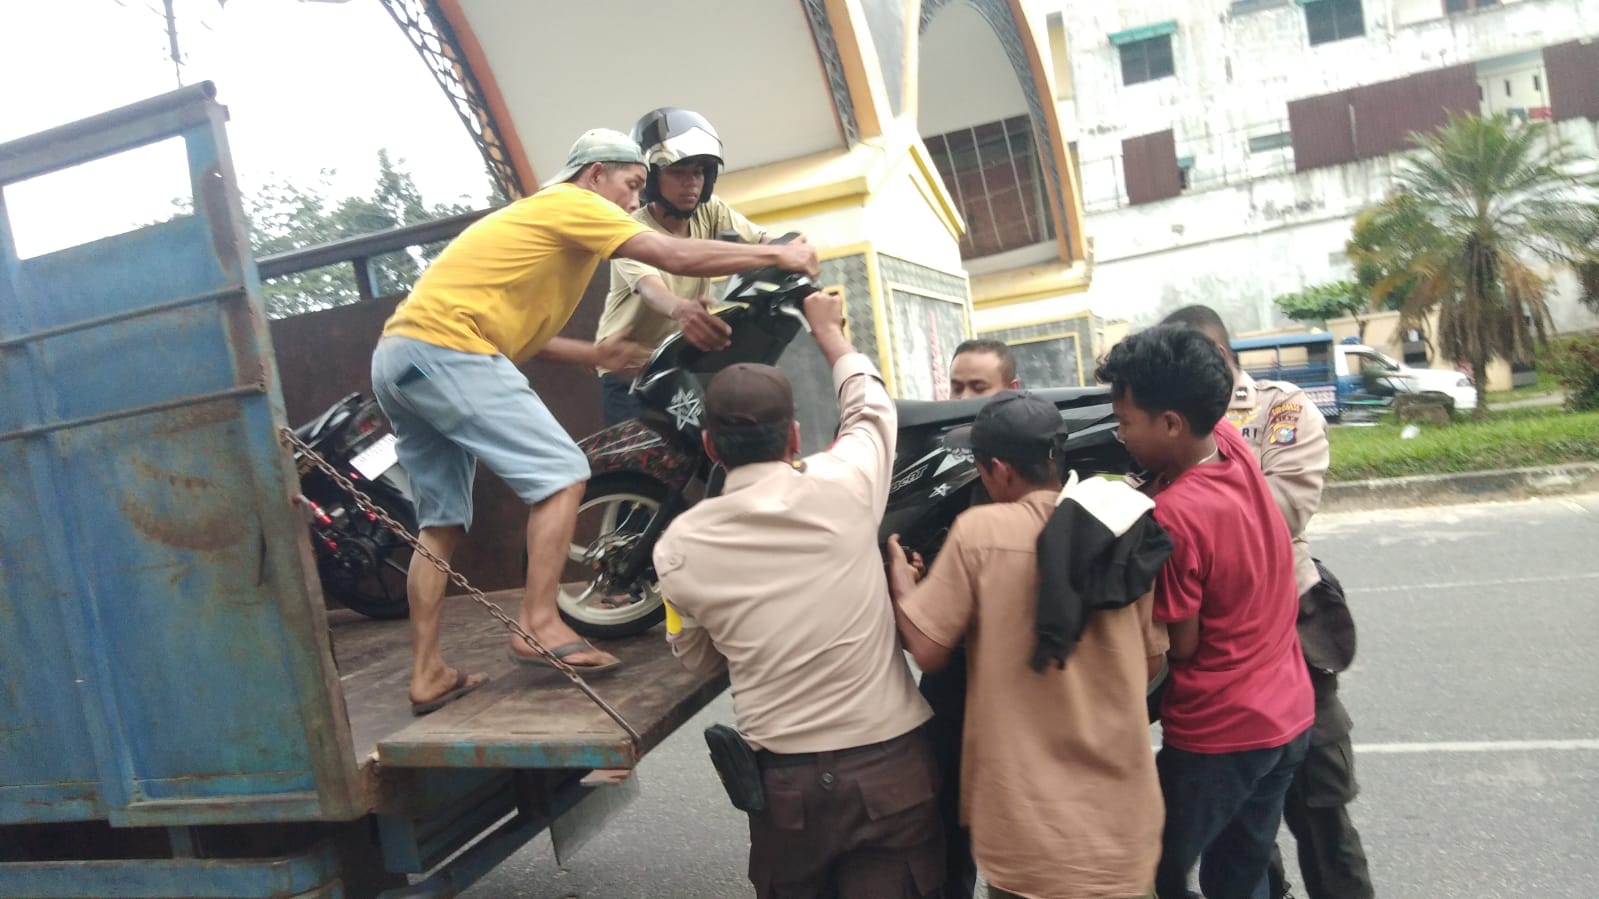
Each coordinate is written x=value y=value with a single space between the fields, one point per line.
x=617 y=404
x=945 y=691
x=1332 y=861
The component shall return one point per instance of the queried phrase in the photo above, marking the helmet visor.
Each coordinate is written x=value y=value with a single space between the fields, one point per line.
x=695 y=142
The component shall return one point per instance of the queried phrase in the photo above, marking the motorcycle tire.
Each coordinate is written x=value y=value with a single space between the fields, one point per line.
x=616 y=498
x=374 y=585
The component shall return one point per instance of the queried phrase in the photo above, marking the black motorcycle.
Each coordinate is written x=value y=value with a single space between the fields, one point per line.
x=360 y=562
x=648 y=470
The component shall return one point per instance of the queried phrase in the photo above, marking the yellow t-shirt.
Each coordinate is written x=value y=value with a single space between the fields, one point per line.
x=511 y=281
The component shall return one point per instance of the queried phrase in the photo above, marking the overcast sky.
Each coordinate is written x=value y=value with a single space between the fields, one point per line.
x=308 y=85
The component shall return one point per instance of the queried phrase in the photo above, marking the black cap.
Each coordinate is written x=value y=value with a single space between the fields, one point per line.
x=1014 y=426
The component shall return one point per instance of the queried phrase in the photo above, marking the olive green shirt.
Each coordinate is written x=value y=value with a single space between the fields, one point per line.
x=625 y=308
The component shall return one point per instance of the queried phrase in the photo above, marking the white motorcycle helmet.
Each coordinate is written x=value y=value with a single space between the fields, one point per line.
x=670 y=136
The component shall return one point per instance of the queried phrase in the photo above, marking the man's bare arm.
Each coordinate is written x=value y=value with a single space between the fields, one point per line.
x=615 y=353
x=825 y=313
x=1184 y=638
x=711 y=258
x=702 y=329
x=928 y=653
x=904 y=569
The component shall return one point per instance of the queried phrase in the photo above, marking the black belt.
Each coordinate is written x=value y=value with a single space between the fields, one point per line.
x=769 y=759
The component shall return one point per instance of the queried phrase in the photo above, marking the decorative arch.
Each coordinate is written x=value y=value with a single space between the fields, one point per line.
x=452 y=54
x=441 y=34
x=1016 y=36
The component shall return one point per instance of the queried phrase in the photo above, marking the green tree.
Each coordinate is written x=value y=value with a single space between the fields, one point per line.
x=1373 y=257
x=1321 y=302
x=285 y=216
x=1470 y=213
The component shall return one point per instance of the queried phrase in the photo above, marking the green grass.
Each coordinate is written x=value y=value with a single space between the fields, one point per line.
x=1512 y=438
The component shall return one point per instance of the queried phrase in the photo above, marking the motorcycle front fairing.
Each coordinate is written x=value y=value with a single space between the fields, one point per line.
x=933 y=483
x=674 y=379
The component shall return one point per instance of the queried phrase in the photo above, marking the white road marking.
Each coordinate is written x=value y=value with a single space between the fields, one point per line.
x=1495 y=582
x=1476 y=746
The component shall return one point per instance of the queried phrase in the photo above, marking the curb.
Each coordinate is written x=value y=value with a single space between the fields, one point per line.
x=1463 y=487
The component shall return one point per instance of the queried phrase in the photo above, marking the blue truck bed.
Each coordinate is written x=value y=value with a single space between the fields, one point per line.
x=166 y=659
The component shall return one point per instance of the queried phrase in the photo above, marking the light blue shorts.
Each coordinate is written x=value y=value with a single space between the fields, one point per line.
x=449 y=409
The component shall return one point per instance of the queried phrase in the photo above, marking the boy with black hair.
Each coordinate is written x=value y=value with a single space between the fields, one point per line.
x=1289 y=436
x=1236 y=716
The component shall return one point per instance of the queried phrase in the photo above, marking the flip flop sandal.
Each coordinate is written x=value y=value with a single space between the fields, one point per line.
x=463 y=685
x=561 y=652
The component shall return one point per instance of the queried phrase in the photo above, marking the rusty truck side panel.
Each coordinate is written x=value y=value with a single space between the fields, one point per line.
x=164 y=657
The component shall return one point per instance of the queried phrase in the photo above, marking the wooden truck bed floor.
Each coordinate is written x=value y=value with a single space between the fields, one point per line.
x=524 y=717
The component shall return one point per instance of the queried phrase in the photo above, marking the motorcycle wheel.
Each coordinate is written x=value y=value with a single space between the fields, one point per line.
x=614 y=513
x=368 y=575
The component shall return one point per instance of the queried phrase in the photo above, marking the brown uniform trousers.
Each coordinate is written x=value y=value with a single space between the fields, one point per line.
x=853 y=824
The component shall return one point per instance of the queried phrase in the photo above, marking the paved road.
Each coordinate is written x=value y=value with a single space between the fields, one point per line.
x=1475 y=696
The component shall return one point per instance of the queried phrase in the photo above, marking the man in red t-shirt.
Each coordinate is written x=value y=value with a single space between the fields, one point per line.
x=1236 y=715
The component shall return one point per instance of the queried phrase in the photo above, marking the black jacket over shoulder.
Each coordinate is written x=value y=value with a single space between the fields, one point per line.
x=1100 y=549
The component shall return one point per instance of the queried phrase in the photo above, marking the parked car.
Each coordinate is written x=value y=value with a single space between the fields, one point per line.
x=1345 y=375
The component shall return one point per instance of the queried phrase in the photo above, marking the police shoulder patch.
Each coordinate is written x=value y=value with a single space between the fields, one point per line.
x=1283 y=435
x=1284 y=414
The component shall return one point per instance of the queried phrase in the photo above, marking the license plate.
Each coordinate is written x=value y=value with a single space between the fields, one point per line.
x=377 y=458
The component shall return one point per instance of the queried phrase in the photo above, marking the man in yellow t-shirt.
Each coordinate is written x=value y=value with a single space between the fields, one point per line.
x=684 y=154
x=445 y=372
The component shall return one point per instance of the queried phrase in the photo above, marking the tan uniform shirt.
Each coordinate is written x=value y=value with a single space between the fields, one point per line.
x=1288 y=434
x=1058 y=782
x=781 y=577
x=624 y=308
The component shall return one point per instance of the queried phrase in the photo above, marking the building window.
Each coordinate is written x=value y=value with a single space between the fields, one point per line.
x=1454 y=6
x=1267 y=142
x=1334 y=20
x=1150 y=165
x=1147 y=60
x=1244 y=7
x=994 y=172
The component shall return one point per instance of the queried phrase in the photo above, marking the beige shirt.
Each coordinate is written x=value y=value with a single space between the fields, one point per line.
x=781 y=576
x=1058 y=782
x=624 y=308
x=1288 y=434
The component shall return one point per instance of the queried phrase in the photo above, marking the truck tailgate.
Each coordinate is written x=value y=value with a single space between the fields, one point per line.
x=536 y=718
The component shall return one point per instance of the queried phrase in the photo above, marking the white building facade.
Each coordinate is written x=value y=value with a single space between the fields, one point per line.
x=1224 y=147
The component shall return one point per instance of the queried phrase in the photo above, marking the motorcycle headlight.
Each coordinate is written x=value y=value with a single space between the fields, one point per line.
x=1463 y=382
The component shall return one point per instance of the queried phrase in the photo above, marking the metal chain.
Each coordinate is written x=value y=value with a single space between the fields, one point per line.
x=371 y=508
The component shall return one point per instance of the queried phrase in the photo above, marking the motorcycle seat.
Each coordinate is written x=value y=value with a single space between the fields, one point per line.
x=951 y=413
x=314 y=428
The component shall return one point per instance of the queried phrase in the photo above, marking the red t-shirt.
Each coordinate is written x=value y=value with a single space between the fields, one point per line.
x=1232 y=564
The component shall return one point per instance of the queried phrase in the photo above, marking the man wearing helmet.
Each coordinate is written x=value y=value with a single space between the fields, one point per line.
x=684 y=155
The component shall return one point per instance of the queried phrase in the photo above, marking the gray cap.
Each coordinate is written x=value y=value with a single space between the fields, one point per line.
x=1014 y=426
x=598 y=145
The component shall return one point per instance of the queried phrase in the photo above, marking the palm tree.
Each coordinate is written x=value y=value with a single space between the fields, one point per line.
x=1482 y=200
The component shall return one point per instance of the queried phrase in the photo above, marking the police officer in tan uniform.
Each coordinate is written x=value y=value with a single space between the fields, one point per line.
x=780 y=581
x=1289 y=436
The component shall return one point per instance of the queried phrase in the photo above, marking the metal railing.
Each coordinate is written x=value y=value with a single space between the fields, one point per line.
x=361 y=250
